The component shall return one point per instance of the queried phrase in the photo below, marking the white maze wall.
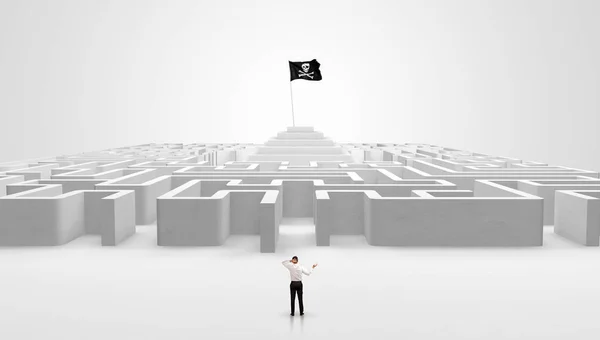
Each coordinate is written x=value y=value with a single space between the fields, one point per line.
x=393 y=194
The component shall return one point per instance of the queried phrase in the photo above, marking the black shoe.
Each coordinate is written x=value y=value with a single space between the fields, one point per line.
x=302 y=313
x=292 y=314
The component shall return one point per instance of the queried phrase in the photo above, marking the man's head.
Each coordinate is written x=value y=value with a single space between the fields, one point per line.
x=295 y=259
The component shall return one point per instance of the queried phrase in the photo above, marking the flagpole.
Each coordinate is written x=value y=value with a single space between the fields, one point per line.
x=292 y=99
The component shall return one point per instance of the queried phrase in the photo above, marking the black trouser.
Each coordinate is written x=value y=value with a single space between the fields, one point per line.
x=296 y=286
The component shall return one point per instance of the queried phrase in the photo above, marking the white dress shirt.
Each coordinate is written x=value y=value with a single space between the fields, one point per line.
x=296 y=270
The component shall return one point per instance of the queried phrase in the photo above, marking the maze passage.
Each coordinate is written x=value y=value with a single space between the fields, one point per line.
x=393 y=194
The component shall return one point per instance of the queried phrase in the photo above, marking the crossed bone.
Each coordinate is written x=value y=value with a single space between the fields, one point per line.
x=302 y=74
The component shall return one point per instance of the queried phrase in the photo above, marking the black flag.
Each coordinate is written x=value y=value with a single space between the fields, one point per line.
x=307 y=70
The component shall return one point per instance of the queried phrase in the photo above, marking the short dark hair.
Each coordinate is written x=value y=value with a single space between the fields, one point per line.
x=295 y=257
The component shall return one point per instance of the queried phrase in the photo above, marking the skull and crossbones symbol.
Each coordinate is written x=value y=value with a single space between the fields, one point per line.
x=304 y=72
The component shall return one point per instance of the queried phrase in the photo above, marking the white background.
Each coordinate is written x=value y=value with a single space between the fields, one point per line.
x=509 y=78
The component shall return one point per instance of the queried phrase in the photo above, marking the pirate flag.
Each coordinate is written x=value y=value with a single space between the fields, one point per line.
x=307 y=70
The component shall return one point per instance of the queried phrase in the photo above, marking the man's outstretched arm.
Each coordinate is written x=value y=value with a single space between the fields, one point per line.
x=308 y=271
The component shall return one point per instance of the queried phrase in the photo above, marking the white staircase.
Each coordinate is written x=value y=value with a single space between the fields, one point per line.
x=300 y=145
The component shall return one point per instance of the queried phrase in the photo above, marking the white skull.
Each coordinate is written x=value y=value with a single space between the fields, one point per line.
x=305 y=67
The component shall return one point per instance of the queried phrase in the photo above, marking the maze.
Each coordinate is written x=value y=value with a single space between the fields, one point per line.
x=200 y=194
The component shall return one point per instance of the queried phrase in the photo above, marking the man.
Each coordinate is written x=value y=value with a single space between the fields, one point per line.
x=296 y=271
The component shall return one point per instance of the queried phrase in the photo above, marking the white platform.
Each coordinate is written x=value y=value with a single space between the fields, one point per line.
x=140 y=292
x=300 y=145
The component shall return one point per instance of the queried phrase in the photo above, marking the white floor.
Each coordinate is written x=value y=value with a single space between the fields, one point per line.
x=141 y=291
